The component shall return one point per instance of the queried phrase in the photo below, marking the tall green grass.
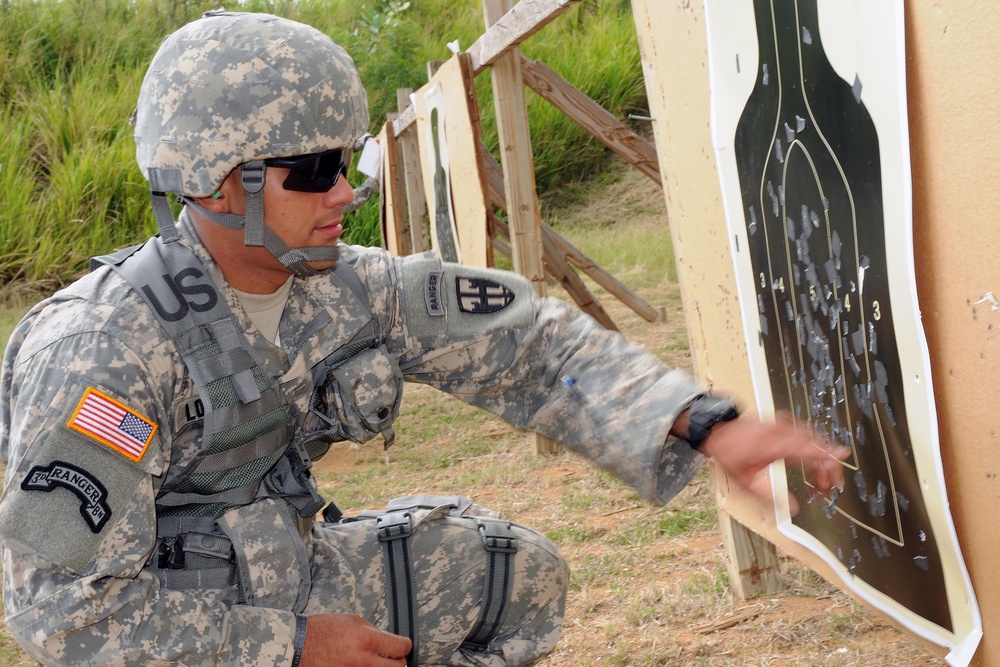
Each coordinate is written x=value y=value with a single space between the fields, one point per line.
x=70 y=72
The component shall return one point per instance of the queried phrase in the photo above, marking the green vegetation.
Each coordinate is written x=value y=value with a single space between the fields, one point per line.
x=70 y=73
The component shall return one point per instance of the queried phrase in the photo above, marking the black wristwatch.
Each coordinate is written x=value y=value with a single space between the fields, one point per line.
x=704 y=413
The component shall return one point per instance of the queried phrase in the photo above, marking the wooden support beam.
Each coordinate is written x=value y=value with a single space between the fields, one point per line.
x=605 y=279
x=562 y=273
x=753 y=565
x=523 y=20
x=562 y=246
x=516 y=158
x=752 y=562
x=518 y=24
x=591 y=116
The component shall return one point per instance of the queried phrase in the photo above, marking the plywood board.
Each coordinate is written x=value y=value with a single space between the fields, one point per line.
x=810 y=130
x=447 y=120
x=951 y=84
x=953 y=87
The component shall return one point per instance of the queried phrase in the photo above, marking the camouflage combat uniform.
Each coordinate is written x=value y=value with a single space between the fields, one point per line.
x=80 y=595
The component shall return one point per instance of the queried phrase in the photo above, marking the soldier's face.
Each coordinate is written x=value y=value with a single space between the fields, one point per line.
x=305 y=219
x=300 y=219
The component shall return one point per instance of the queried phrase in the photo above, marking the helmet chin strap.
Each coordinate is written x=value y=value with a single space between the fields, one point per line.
x=257 y=233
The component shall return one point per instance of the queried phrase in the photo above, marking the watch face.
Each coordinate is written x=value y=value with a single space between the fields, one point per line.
x=706 y=412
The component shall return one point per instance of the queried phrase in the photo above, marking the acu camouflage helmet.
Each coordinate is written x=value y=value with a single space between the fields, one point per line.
x=230 y=88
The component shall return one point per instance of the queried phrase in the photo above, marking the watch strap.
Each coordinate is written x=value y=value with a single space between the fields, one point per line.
x=704 y=413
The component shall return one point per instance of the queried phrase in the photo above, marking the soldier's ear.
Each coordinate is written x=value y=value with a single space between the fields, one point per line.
x=228 y=198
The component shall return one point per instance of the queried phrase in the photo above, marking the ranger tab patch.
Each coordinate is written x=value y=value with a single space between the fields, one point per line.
x=112 y=423
x=94 y=506
x=481 y=295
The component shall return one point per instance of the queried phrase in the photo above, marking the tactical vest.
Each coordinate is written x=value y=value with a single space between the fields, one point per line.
x=251 y=454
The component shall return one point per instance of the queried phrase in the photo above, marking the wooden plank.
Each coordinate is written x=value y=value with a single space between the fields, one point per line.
x=395 y=227
x=407 y=116
x=591 y=116
x=571 y=282
x=516 y=158
x=955 y=246
x=518 y=24
x=521 y=22
x=416 y=202
x=605 y=279
x=753 y=564
x=727 y=621
x=672 y=42
x=500 y=242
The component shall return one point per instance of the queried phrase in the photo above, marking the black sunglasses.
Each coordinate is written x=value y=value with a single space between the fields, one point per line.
x=317 y=172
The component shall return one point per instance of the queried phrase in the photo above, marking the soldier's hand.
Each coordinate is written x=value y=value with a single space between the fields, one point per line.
x=745 y=446
x=346 y=640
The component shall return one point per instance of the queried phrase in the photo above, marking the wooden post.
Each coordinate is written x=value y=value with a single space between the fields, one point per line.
x=416 y=201
x=396 y=236
x=753 y=564
x=518 y=170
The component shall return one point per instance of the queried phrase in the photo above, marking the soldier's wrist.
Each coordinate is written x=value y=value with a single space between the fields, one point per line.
x=694 y=424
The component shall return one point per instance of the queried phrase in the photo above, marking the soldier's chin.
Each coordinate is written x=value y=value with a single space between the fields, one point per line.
x=320 y=266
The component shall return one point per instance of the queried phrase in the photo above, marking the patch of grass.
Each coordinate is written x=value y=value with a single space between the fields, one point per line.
x=687 y=521
x=575 y=532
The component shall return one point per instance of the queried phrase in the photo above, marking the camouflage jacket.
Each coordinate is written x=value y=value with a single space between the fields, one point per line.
x=77 y=514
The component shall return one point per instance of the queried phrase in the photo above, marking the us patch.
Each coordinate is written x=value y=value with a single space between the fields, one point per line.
x=94 y=496
x=112 y=423
x=481 y=295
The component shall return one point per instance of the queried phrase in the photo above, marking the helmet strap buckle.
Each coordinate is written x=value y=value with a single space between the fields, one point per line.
x=253 y=175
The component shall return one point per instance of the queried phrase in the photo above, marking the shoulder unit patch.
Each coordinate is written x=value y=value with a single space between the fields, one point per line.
x=112 y=423
x=481 y=295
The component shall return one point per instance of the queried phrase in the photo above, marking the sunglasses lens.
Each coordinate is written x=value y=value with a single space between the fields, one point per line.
x=313 y=173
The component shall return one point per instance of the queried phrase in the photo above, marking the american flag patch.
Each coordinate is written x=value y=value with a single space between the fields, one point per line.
x=116 y=425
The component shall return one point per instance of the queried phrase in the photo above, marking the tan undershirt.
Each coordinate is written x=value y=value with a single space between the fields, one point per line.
x=265 y=309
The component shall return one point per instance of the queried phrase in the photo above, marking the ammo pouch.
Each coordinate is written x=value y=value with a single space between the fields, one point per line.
x=271 y=557
x=361 y=396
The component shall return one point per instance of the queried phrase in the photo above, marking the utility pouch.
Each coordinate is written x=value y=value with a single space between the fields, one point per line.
x=271 y=558
x=365 y=392
x=397 y=528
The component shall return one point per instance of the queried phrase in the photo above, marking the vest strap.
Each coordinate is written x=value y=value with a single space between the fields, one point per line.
x=394 y=531
x=501 y=546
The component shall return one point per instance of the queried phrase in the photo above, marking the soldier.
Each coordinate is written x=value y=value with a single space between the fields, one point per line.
x=160 y=415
